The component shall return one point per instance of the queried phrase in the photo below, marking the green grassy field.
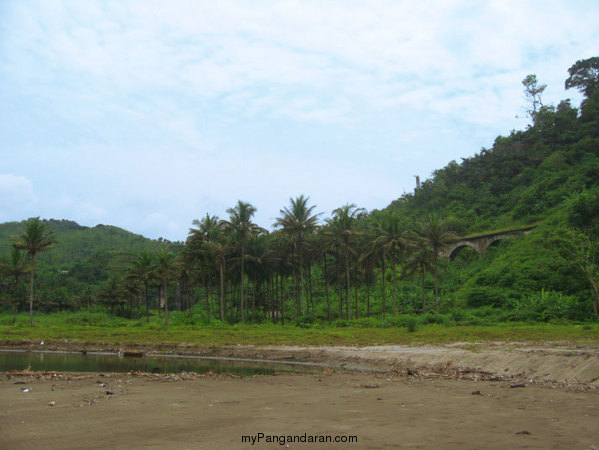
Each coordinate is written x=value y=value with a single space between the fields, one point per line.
x=105 y=329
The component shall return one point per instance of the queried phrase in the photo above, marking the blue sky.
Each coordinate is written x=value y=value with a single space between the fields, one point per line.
x=147 y=115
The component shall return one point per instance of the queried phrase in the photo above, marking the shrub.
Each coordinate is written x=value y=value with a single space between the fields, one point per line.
x=483 y=296
x=411 y=323
x=369 y=322
x=304 y=322
x=341 y=323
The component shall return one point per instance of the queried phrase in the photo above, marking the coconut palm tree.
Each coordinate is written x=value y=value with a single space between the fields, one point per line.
x=166 y=266
x=35 y=239
x=262 y=261
x=14 y=267
x=210 y=238
x=298 y=222
x=392 y=240
x=240 y=226
x=341 y=229
x=420 y=262
x=142 y=269
x=111 y=293
x=131 y=289
x=435 y=232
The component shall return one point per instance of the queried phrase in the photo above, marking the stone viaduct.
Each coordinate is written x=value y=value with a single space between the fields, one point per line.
x=481 y=242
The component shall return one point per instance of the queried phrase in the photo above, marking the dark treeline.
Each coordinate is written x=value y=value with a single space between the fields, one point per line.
x=358 y=264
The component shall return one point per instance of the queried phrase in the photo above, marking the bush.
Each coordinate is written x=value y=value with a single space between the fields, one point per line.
x=98 y=319
x=341 y=323
x=483 y=296
x=370 y=322
x=304 y=322
x=434 y=318
x=411 y=323
x=547 y=306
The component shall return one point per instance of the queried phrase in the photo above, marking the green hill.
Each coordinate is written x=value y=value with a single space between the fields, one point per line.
x=81 y=260
x=547 y=174
x=77 y=244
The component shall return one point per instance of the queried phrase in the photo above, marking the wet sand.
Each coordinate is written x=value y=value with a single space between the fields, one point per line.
x=213 y=412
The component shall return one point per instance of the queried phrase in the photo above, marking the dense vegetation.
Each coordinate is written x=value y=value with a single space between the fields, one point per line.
x=380 y=268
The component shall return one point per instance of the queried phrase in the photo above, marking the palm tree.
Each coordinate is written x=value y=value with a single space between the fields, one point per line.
x=435 y=233
x=392 y=239
x=142 y=269
x=420 y=261
x=14 y=267
x=166 y=266
x=131 y=289
x=240 y=225
x=298 y=222
x=262 y=259
x=341 y=230
x=209 y=238
x=33 y=240
x=111 y=293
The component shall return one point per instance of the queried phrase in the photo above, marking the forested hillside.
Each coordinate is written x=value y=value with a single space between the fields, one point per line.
x=81 y=259
x=360 y=265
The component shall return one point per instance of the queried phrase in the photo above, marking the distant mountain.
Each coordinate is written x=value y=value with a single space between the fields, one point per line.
x=76 y=243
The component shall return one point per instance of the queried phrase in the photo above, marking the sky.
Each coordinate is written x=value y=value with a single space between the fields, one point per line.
x=149 y=114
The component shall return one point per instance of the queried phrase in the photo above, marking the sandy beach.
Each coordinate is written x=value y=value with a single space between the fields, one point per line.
x=420 y=408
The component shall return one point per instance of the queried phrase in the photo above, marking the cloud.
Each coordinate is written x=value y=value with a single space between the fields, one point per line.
x=351 y=51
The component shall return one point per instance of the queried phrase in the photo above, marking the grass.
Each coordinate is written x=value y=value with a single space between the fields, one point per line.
x=500 y=231
x=101 y=328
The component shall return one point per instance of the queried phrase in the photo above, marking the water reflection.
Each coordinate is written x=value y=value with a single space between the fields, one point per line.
x=108 y=362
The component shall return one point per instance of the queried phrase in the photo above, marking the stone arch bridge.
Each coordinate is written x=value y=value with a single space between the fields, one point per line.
x=481 y=242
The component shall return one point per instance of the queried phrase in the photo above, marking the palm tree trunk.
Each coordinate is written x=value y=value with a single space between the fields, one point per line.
x=347 y=287
x=222 y=290
x=310 y=296
x=281 y=299
x=206 y=297
x=384 y=305
x=146 y=301
x=367 y=299
x=356 y=283
x=165 y=303
x=395 y=299
x=242 y=302
x=339 y=286
x=302 y=288
x=326 y=288
x=436 y=273
x=31 y=290
x=14 y=317
x=422 y=276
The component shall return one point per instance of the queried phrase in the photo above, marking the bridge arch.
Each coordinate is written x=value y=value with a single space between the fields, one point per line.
x=495 y=242
x=459 y=247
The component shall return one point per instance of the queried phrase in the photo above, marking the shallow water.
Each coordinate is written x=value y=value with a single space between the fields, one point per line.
x=110 y=362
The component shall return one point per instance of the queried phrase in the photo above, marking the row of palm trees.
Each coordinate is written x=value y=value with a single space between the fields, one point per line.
x=236 y=268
